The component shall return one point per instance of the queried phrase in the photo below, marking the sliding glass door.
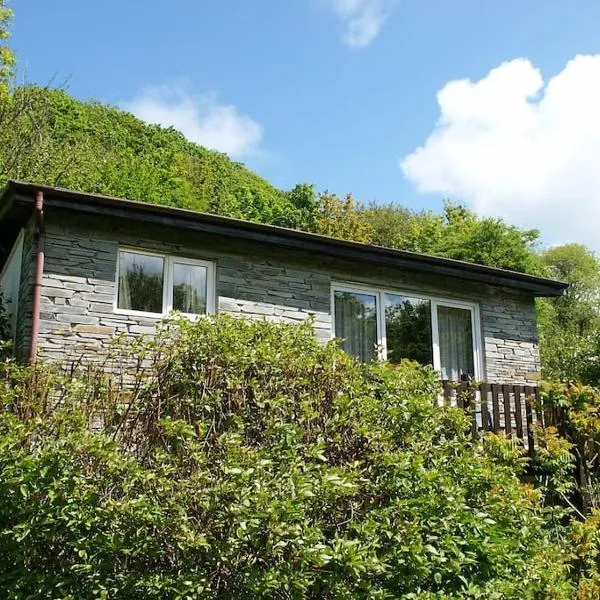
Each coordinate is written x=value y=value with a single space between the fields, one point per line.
x=408 y=329
x=356 y=323
x=378 y=323
x=455 y=338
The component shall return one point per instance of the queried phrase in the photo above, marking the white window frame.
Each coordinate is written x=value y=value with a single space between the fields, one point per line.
x=435 y=301
x=167 y=305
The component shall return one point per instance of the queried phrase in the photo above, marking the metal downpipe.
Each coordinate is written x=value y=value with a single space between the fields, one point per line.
x=40 y=236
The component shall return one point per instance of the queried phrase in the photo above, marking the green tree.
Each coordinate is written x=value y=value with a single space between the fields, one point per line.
x=487 y=241
x=7 y=57
x=398 y=227
x=49 y=137
x=570 y=325
x=579 y=306
x=305 y=203
x=458 y=233
x=342 y=218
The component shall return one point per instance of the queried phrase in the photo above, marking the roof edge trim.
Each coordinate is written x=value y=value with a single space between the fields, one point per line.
x=24 y=192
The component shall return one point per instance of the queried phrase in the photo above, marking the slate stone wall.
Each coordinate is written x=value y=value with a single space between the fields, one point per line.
x=79 y=286
x=252 y=281
x=510 y=336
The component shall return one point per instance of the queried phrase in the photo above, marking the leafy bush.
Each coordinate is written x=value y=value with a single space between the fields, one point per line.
x=584 y=538
x=578 y=408
x=554 y=463
x=246 y=460
x=571 y=356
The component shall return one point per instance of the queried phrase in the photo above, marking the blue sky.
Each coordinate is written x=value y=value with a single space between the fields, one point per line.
x=343 y=93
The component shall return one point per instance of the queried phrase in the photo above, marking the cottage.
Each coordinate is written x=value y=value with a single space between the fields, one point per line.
x=77 y=268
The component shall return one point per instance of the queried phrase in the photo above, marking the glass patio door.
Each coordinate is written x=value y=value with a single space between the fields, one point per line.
x=356 y=323
x=455 y=339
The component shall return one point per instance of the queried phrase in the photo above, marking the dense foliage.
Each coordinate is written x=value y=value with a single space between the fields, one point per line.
x=570 y=325
x=246 y=460
x=578 y=406
x=458 y=233
x=7 y=58
x=49 y=137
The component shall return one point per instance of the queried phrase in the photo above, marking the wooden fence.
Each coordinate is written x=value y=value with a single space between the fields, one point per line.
x=509 y=408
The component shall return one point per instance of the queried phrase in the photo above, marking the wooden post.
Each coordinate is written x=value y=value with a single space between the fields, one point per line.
x=485 y=412
x=529 y=392
x=496 y=407
x=518 y=411
x=506 y=389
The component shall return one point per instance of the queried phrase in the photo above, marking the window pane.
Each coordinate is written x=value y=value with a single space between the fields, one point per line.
x=9 y=284
x=140 y=282
x=189 y=288
x=408 y=329
x=356 y=323
x=456 y=342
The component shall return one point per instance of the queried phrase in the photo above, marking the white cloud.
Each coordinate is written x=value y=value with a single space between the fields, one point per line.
x=511 y=146
x=362 y=19
x=199 y=117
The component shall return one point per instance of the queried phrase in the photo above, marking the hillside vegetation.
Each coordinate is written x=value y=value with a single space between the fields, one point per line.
x=49 y=137
x=55 y=139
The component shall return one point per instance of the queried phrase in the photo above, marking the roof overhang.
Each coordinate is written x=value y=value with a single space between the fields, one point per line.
x=18 y=200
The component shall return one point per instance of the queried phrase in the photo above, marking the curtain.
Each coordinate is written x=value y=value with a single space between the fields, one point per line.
x=124 y=288
x=456 y=342
x=356 y=323
x=189 y=288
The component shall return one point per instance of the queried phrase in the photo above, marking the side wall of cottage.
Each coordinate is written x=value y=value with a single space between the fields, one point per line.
x=252 y=280
x=24 y=308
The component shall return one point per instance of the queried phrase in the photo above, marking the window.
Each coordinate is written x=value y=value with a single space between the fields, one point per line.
x=408 y=329
x=189 y=288
x=156 y=284
x=10 y=280
x=395 y=326
x=455 y=333
x=356 y=323
x=141 y=281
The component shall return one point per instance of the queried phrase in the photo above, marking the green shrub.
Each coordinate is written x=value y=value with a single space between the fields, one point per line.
x=578 y=407
x=585 y=542
x=246 y=460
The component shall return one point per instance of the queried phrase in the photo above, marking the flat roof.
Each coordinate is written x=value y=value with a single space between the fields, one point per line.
x=18 y=198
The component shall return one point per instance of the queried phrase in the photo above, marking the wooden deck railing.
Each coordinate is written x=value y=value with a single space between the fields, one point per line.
x=509 y=408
